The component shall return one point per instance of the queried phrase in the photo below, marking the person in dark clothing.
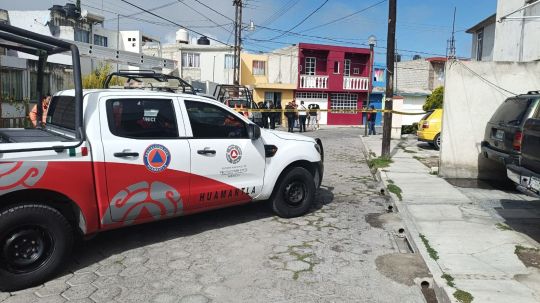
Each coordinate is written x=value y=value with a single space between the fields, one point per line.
x=302 y=115
x=264 y=115
x=278 y=114
x=371 y=118
x=272 y=116
x=290 y=116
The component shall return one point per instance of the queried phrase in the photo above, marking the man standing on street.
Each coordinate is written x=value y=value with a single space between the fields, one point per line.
x=302 y=116
x=371 y=118
x=290 y=114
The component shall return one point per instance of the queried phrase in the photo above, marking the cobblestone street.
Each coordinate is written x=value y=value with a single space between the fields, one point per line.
x=246 y=254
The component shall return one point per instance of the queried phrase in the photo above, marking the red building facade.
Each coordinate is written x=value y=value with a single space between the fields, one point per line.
x=334 y=77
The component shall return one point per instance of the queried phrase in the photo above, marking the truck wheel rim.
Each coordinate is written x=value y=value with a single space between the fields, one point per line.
x=26 y=249
x=294 y=193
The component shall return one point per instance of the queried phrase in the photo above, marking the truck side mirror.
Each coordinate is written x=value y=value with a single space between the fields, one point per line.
x=254 y=131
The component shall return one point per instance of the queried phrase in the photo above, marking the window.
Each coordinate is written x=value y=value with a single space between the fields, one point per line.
x=479 y=44
x=142 y=118
x=82 y=35
x=213 y=122
x=347 y=68
x=12 y=84
x=336 y=67
x=259 y=68
x=309 y=95
x=356 y=70
x=311 y=64
x=229 y=61
x=62 y=112
x=129 y=39
x=101 y=40
x=191 y=60
x=344 y=102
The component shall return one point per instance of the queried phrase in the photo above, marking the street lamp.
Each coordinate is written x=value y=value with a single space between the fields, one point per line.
x=372 y=41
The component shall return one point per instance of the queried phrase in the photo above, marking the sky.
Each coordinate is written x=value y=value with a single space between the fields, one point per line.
x=423 y=26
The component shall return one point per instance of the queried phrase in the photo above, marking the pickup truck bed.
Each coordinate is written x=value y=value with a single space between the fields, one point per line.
x=29 y=135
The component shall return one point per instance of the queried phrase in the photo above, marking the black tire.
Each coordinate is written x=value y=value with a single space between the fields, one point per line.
x=35 y=241
x=294 y=194
x=437 y=142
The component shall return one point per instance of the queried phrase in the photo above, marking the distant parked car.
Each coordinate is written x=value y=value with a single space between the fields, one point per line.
x=429 y=128
x=504 y=131
x=527 y=174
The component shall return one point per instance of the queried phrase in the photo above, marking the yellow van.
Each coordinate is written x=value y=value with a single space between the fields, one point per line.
x=429 y=128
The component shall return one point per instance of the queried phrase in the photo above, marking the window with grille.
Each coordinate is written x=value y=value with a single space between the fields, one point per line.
x=101 y=40
x=12 y=84
x=310 y=95
x=259 y=68
x=344 y=102
x=311 y=64
x=229 y=61
x=191 y=60
x=347 y=68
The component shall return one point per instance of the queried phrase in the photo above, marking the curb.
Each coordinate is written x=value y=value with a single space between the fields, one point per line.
x=442 y=290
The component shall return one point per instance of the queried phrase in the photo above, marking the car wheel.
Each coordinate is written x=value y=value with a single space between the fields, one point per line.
x=437 y=142
x=294 y=194
x=35 y=241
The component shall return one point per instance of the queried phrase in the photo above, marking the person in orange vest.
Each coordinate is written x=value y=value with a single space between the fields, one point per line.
x=45 y=106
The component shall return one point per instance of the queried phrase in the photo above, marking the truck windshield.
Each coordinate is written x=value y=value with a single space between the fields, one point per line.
x=512 y=111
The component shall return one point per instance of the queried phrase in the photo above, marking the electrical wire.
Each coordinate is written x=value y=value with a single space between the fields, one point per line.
x=175 y=23
x=344 y=17
x=204 y=16
x=484 y=79
x=301 y=22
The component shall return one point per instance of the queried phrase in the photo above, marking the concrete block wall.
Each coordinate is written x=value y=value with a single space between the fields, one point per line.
x=412 y=74
x=469 y=103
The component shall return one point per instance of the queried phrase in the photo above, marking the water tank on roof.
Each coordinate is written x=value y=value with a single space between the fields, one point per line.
x=182 y=36
x=57 y=8
x=71 y=11
x=203 y=41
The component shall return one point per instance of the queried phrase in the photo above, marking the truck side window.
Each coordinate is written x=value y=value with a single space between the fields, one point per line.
x=210 y=121
x=142 y=118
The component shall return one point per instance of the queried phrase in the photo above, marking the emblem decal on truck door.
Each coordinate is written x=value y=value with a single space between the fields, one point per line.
x=234 y=154
x=141 y=200
x=156 y=158
x=21 y=174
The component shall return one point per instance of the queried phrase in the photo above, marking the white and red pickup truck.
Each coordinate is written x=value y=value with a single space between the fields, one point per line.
x=136 y=156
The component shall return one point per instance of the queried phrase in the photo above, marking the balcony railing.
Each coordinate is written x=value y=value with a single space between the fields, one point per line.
x=311 y=81
x=356 y=83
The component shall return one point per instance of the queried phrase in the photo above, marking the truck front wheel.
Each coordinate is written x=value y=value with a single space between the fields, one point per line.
x=35 y=241
x=295 y=193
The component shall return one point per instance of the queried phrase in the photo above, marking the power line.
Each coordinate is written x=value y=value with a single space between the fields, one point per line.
x=484 y=79
x=150 y=9
x=301 y=22
x=203 y=15
x=177 y=24
x=215 y=11
x=344 y=17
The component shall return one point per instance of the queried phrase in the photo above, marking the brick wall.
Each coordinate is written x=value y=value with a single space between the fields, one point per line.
x=413 y=74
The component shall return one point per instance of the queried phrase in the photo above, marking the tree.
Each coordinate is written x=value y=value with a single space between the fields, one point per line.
x=96 y=79
x=435 y=100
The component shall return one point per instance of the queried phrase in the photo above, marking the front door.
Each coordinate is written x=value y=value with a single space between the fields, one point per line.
x=227 y=167
x=147 y=161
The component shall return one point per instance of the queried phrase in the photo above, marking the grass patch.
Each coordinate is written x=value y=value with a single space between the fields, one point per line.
x=380 y=162
x=372 y=154
x=502 y=226
x=395 y=190
x=449 y=280
x=520 y=248
x=432 y=252
x=463 y=296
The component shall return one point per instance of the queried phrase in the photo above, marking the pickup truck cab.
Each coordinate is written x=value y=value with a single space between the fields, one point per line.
x=145 y=156
x=526 y=174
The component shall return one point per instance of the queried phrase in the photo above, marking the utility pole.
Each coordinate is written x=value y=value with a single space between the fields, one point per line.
x=390 y=53
x=452 y=43
x=237 y=39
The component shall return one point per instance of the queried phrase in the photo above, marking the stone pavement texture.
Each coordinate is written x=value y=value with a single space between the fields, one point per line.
x=468 y=238
x=246 y=254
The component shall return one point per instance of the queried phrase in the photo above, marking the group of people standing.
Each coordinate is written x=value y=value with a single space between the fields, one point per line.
x=299 y=114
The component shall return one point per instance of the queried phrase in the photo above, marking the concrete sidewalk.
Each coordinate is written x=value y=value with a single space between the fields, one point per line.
x=466 y=243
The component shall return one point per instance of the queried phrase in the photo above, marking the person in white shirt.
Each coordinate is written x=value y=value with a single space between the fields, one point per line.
x=302 y=116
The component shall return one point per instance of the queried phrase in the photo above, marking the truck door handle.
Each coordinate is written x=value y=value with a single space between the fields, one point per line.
x=206 y=151
x=126 y=154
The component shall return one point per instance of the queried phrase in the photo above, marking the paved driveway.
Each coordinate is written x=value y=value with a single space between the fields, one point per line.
x=246 y=254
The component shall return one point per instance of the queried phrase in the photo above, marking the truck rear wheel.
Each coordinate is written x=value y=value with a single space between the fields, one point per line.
x=35 y=241
x=295 y=193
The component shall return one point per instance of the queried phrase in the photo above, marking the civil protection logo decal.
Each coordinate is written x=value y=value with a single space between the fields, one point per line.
x=156 y=158
x=234 y=154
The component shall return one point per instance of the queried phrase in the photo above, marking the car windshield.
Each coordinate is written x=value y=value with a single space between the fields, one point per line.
x=512 y=111
x=427 y=115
